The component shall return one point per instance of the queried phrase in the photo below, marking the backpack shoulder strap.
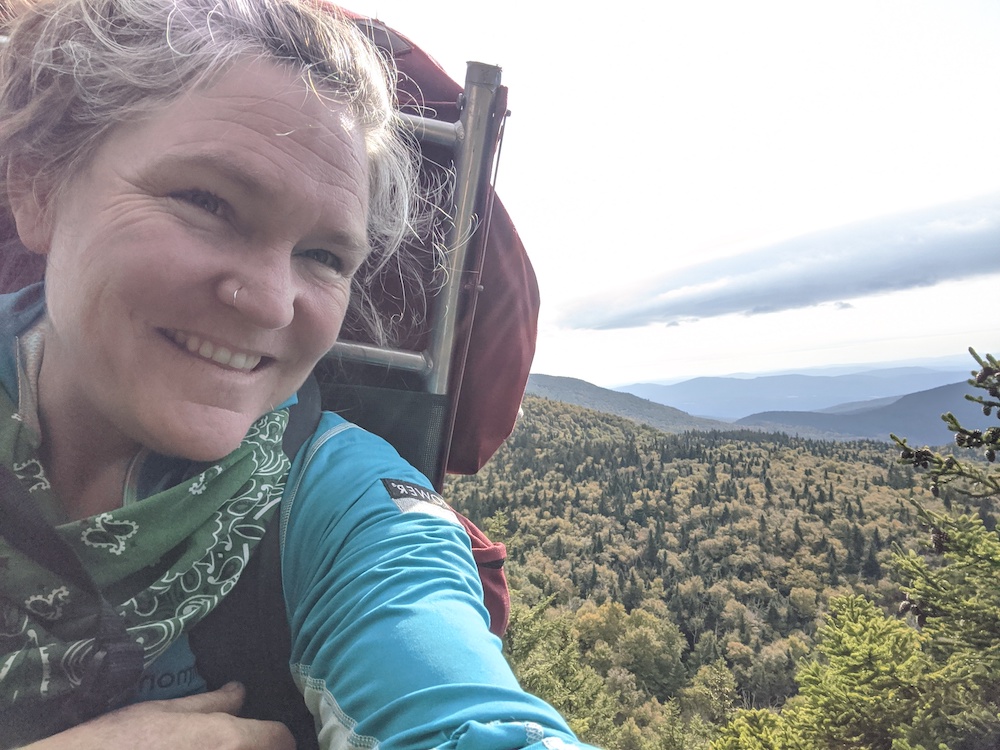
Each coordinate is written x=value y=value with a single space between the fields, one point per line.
x=111 y=670
x=255 y=610
x=303 y=417
x=258 y=655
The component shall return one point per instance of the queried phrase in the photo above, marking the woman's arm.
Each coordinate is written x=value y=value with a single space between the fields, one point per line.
x=390 y=635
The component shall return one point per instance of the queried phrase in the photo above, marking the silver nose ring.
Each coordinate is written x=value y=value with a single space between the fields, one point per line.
x=234 y=295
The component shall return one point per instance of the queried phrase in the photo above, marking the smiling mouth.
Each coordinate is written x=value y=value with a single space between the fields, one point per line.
x=243 y=361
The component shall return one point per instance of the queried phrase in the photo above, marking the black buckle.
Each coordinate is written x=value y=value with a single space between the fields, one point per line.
x=109 y=680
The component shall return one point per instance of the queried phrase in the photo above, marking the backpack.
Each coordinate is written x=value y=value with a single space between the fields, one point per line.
x=498 y=315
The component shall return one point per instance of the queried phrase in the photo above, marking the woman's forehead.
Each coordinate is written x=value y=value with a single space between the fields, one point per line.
x=262 y=111
x=271 y=89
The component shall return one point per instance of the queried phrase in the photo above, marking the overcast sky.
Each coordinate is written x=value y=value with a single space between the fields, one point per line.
x=721 y=186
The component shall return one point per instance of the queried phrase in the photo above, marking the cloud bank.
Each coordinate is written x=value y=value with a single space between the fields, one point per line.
x=903 y=251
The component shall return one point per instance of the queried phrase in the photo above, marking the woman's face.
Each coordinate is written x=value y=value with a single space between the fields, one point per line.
x=252 y=184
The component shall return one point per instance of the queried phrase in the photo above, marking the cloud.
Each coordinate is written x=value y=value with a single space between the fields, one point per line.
x=903 y=251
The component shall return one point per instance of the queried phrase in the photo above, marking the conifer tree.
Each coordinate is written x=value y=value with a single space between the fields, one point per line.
x=862 y=688
x=545 y=654
x=758 y=729
x=955 y=600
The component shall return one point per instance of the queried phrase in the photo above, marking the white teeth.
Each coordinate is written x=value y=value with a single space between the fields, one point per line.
x=220 y=354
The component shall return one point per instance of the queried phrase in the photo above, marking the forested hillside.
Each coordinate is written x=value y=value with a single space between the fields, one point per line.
x=663 y=581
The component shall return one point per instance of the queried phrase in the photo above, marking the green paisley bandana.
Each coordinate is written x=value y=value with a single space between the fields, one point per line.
x=163 y=563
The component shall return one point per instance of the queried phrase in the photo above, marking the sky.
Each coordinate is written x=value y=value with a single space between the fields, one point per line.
x=719 y=187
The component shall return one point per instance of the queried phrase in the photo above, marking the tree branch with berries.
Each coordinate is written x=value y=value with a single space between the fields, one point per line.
x=970 y=479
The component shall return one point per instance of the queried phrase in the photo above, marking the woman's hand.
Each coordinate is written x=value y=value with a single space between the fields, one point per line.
x=198 y=721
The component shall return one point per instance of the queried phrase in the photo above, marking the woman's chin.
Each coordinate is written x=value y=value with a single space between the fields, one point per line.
x=201 y=445
x=206 y=454
x=185 y=428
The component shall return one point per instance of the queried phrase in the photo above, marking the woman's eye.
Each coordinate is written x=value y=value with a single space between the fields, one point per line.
x=202 y=199
x=325 y=257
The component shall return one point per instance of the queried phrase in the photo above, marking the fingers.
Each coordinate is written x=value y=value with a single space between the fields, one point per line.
x=228 y=699
x=271 y=735
x=245 y=733
x=205 y=721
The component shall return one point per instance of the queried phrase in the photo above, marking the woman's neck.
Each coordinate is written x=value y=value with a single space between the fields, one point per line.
x=86 y=458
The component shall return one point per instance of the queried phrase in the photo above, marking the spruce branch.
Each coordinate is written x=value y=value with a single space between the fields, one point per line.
x=967 y=478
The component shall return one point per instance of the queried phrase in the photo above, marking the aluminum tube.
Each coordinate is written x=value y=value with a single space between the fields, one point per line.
x=481 y=84
x=374 y=355
x=447 y=134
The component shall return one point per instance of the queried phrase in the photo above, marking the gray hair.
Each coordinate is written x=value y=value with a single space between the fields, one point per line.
x=73 y=69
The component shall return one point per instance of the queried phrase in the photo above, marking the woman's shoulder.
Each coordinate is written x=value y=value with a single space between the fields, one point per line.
x=349 y=495
x=342 y=464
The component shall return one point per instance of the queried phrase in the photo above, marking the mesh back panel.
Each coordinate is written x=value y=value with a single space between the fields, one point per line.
x=412 y=422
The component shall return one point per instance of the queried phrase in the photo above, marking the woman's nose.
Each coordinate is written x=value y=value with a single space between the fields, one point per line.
x=262 y=293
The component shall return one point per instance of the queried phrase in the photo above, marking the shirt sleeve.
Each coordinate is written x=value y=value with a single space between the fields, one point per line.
x=390 y=641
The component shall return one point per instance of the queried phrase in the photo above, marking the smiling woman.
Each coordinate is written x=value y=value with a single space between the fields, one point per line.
x=206 y=182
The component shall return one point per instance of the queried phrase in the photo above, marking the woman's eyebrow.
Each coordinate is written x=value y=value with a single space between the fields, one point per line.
x=357 y=248
x=256 y=185
x=248 y=179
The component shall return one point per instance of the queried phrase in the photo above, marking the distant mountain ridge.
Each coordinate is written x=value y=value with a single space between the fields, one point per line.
x=731 y=398
x=915 y=416
x=582 y=393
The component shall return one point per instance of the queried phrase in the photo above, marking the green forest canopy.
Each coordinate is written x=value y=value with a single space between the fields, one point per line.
x=673 y=590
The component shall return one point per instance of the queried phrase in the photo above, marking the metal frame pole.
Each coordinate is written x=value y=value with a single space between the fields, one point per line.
x=473 y=157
